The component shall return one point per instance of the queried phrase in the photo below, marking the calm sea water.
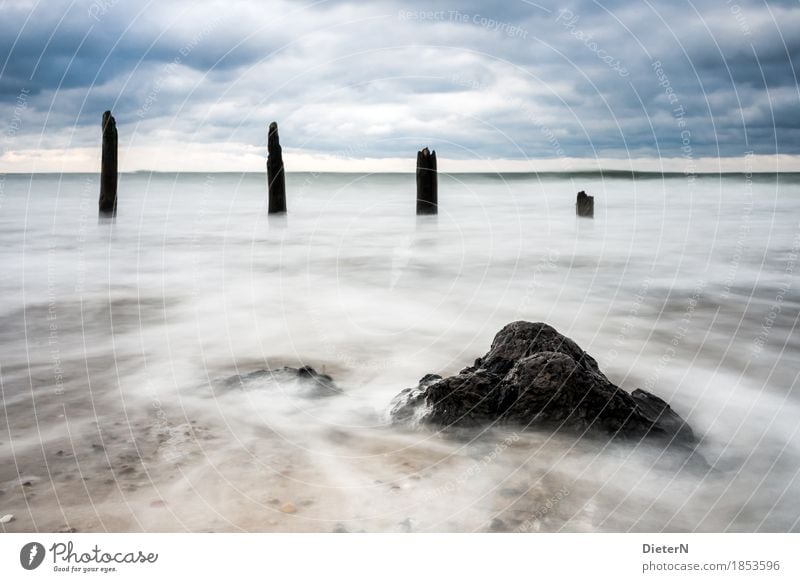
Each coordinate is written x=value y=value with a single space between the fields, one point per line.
x=113 y=332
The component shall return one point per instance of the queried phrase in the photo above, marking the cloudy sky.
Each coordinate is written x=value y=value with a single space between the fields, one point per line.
x=362 y=85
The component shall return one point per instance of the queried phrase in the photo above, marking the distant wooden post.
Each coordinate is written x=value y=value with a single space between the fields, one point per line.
x=584 y=206
x=275 y=175
x=108 y=166
x=427 y=183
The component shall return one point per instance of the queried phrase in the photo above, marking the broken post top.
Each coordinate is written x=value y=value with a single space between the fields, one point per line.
x=273 y=140
x=584 y=205
x=426 y=159
x=109 y=123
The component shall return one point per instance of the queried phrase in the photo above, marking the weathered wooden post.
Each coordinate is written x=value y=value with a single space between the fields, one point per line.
x=275 y=175
x=108 y=166
x=427 y=183
x=584 y=206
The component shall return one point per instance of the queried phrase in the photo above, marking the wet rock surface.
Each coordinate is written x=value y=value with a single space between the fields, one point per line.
x=536 y=378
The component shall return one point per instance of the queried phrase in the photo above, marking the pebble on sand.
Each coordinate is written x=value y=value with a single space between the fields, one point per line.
x=7 y=518
x=288 y=507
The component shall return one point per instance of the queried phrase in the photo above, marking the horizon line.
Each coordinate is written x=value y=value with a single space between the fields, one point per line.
x=670 y=173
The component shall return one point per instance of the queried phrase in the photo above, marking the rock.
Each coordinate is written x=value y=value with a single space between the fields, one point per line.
x=108 y=166
x=534 y=377
x=66 y=529
x=340 y=528
x=498 y=525
x=288 y=507
x=8 y=518
x=584 y=205
x=276 y=178
x=427 y=183
x=409 y=406
x=510 y=492
x=312 y=383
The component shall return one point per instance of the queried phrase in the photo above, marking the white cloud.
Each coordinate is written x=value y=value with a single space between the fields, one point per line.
x=345 y=76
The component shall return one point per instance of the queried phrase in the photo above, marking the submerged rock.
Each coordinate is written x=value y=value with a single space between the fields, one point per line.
x=312 y=383
x=534 y=377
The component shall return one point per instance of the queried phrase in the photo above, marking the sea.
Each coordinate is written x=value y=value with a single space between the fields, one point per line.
x=121 y=341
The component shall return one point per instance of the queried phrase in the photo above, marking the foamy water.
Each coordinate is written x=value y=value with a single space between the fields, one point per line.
x=116 y=334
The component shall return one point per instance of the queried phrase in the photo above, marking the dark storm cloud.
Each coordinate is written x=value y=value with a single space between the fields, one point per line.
x=520 y=79
x=45 y=48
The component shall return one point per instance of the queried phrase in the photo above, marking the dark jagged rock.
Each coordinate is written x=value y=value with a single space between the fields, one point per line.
x=584 y=206
x=427 y=183
x=276 y=179
x=534 y=377
x=311 y=383
x=108 y=166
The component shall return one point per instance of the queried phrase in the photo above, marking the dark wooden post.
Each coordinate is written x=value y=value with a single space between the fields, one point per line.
x=275 y=175
x=584 y=206
x=108 y=166
x=427 y=184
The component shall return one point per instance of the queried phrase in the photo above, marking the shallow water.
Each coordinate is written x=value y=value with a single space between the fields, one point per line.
x=114 y=334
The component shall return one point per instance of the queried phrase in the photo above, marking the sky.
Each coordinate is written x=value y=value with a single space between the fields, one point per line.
x=361 y=86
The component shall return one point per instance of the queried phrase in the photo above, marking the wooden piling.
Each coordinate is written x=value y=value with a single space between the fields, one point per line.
x=108 y=166
x=584 y=205
x=427 y=183
x=275 y=174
